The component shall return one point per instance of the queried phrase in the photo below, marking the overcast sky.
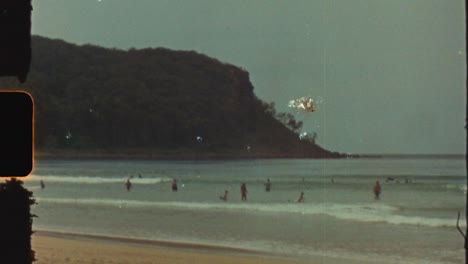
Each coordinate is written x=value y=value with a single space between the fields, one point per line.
x=390 y=73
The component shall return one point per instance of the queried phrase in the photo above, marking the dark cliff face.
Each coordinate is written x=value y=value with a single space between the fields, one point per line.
x=89 y=97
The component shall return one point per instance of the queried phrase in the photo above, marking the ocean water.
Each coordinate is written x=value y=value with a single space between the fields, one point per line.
x=412 y=222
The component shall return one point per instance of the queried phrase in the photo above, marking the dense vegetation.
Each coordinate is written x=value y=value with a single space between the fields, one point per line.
x=92 y=99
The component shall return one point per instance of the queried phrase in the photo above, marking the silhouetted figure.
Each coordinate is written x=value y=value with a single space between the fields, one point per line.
x=224 y=197
x=268 y=185
x=301 y=198
x=377 y=190
x=42 y=185
x=244 y=192
x=139 y=176
x=174 y=185
x=128 y=184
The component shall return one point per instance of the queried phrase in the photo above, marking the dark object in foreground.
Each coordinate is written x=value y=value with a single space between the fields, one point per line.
x=15 y=29
x=16 y=222
x=16 y=134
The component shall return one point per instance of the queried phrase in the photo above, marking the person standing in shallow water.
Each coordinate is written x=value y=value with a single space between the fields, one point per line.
x=301 y=198
x=268 y=185
x=224 y=197
x=244 y=192
x=128 y=185
x=377 y=190
x=174 y=185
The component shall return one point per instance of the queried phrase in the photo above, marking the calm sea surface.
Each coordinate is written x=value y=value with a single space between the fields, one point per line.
x=413 y=222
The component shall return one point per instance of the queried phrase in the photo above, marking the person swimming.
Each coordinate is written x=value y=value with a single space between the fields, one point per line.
x=301 y=198
x=224 y=197
x=42 y=185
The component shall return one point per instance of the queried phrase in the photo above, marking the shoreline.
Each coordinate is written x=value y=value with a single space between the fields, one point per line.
x=130 y=155
x=72 y=248
x=148 y=242
x=39 y=155
x=63 y=247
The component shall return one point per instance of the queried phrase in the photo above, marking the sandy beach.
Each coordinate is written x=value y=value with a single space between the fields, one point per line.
x=51 y=247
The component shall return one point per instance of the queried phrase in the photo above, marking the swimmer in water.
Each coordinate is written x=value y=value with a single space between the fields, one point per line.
x=42 y=185
x=224 y=197
x=377 y=190
x=174 y=185
x=244 y=192
x=268 y=185
x=128 y=185
x=301 y=198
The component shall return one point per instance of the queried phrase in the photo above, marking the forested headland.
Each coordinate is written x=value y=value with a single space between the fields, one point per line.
x=155 y=102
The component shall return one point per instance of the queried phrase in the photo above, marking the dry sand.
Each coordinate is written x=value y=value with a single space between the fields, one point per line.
x=78 y=249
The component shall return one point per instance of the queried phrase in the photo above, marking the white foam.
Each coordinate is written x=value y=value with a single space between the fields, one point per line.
x=460 y=187
x=351 y=212
x=95 y=180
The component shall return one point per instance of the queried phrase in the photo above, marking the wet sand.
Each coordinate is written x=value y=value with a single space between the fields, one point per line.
x=53 y=247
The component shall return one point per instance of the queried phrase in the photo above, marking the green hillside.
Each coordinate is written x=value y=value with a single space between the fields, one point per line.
x=90 y=99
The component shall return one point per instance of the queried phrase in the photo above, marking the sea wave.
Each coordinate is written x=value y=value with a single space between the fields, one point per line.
x=96 y=180
x=370 y=212
x=457 y=187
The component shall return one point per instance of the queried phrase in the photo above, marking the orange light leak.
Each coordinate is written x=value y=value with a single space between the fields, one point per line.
x=28 y=176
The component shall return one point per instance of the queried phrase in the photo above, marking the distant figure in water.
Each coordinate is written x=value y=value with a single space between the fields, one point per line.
x=244 y=192
x=128 y=184
x=42 y=185
x=139 y=175
x=377 y=190
x=301 y=198
x=224 y=197
x=174 y=185
x=268 y=185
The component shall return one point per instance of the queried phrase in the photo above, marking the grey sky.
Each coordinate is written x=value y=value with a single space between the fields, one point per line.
x=391 y=73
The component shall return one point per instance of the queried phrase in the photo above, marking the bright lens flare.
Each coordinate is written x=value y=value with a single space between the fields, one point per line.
x=304 y=103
